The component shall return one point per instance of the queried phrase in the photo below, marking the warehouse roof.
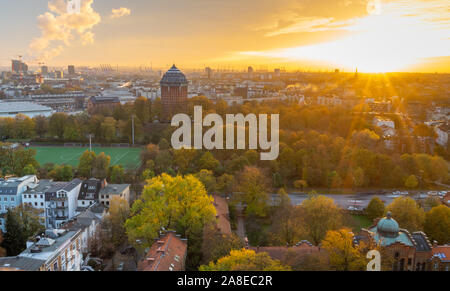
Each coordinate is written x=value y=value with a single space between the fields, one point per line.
x=17 y=107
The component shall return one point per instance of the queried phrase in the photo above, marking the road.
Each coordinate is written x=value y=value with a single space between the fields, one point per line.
x=343 y=200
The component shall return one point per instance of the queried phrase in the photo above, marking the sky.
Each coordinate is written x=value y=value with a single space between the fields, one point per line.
x=371 y=35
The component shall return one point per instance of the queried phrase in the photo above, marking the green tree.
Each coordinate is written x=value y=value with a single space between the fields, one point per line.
x=179 y=203
x=437 y=224
x=57 y=124
x=29 y=170
x=320 y=215
x=208 y=162
x=117 y=174
x=252 y=183
x=375 y=209
x=411 y=182
x=245 y=260
x=208 y=180
x=22 y=223
x=407 y=213
x=101 y=165
x=85 y=165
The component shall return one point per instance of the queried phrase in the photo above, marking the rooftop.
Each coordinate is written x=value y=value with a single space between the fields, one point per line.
x=112 y=189
x=442 y=252
x=166 y=254
x=223 y=222
x=18 y=107
x=20 y=264
x=173 y=77
x=41 y=251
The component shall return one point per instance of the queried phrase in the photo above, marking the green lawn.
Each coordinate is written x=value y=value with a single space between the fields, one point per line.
x=127 y=157
x=361 y=221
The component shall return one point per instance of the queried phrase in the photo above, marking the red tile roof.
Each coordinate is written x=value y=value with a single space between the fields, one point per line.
x=166 y=254
x=442 y=252
x=281 y=253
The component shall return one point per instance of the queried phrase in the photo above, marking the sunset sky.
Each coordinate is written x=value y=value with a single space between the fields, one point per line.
x=375 y=36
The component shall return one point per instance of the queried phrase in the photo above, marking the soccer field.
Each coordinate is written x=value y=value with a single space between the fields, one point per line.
x=129 y=158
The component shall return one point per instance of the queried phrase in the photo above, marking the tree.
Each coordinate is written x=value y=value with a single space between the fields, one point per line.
x=225 y=183
x=287 y=227
x=208 y=162
x=245 y=260
x=179 y=203
x=343 y=254
x=40 y=125
x=119 y=211
x=57 y=124
x=217 y=245
x=208 y=180
x=109 y=129
x=23 y=158
x=85 y=165
x=407 y=213
x=101 y=165
x=22 y=223
x=375 y=208
x=320 y=215
x=411 y=182
x=300 y=184
x=2 y=250
x=437 y=224
x=117 y=174
x=253 y=184
x=29 y=170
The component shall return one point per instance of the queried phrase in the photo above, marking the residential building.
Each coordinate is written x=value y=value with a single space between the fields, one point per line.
x=114 y=190
x=168 y=253
x=441 y=258
x=11 y=194
x=89 y=222
x=61 y=203
x=88 y=194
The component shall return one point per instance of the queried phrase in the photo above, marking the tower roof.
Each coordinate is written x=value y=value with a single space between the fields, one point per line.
x=388 y=225
x=173 y=77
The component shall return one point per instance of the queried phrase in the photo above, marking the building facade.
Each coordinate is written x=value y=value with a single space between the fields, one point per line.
x=174 y=92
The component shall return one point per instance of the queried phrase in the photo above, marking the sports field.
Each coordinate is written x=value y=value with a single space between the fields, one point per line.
x=129 y=158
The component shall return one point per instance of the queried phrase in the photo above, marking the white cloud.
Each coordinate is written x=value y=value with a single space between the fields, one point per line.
x=59 y=27
x=120 y=12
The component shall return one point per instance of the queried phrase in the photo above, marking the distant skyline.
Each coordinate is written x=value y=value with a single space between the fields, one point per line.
x=371 y=35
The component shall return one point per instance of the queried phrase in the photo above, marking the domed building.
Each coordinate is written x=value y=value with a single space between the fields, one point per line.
x=410 y=252
x=174 y=91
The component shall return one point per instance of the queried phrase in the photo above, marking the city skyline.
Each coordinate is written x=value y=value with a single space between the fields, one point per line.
x=371 y=35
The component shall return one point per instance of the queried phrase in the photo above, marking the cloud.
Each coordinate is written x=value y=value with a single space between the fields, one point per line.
x=120 y=12
x=59 y=27
x=315 y=15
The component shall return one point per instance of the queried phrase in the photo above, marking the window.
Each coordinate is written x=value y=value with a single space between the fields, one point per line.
x=42 y=203
x=12 y=199
x=55 y=266
x=82 y=202
x=35 y=196
x=42 y=196
x=5 y=199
